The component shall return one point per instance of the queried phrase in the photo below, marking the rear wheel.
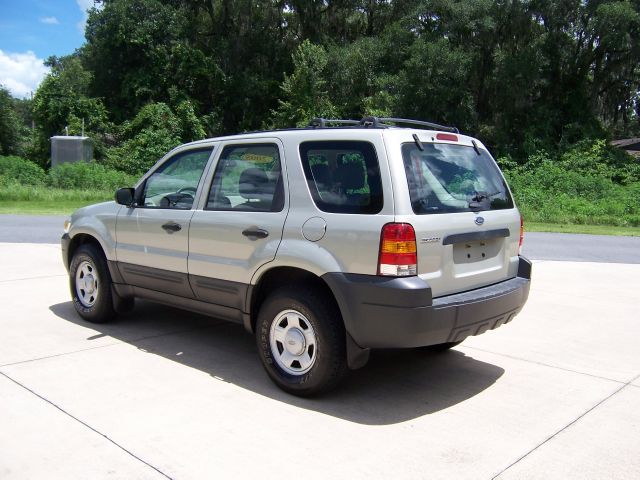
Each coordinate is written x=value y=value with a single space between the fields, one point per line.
x=301 y=341
x=90 y=285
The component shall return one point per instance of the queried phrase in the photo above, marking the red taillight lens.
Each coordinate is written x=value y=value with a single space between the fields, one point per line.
x=398 y=257
x=521 y=232
x=449 y=137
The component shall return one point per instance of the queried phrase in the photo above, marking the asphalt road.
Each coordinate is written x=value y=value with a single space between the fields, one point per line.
x=31 y=228
x=537 y=246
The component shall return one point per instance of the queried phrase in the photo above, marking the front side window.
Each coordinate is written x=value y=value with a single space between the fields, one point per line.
x=446 y=178
x=173 y=185
x=343 y=176
x=248 y=178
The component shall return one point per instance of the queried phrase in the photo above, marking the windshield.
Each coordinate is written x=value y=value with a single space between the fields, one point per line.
x=445 y=178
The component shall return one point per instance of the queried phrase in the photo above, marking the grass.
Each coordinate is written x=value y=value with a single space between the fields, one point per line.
x=25 y=200
x=587 y=229
x=39 y=207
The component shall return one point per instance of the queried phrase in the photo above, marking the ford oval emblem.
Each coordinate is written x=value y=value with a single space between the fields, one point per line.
x=479 y=220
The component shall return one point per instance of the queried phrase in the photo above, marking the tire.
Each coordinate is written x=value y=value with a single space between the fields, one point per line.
x=90 y=284
x=313 y=358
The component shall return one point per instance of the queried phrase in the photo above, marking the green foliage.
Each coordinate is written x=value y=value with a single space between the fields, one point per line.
x=19 y=170
x=304 y=92
x=595 y=157
x=435 y=84
x=151 y=134
x=88 y=176
x=11 y=129
x=62 y=101
x=566 y=191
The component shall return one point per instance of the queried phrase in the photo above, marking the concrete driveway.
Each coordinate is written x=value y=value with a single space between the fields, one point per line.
x=167 y=394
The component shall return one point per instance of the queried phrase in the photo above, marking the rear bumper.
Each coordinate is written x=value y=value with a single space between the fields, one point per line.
x=382 y=312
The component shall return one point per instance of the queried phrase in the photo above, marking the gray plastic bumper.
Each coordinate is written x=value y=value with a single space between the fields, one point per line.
x=382 y=312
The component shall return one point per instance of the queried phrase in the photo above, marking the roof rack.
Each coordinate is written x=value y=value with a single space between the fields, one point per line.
x=378 y=122
x=322 y=122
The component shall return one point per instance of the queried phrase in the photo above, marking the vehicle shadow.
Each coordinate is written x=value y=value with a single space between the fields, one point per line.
x=395 y=386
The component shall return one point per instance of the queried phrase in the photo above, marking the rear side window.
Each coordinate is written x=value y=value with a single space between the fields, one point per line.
x=343 y=176
x=445 y=178
x=247 y=178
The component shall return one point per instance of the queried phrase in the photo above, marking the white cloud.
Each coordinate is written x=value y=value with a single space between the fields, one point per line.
x=84 y=6
x=21 y=73
x=49 y=20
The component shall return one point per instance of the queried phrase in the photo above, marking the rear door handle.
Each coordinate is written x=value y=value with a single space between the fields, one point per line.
x=172 y=227
x=254 y=233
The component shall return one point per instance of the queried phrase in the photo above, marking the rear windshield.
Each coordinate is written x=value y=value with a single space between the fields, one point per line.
x=445 y=178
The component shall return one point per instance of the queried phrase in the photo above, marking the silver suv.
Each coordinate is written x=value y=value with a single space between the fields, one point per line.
x=325 y=242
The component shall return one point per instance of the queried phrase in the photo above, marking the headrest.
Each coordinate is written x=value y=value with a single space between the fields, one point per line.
x=321 y=174
x=352 y=175
x=254 y=183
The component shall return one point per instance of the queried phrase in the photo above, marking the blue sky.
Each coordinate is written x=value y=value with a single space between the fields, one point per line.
x=33 y=30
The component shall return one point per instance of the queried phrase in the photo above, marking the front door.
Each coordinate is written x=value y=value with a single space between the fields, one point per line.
x=153 y=238
x=240 y=226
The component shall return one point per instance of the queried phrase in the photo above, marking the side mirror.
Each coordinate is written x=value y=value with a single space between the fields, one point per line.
x=124 y=196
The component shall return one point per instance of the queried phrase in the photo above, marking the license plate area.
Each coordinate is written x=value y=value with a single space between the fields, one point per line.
x=476 y=251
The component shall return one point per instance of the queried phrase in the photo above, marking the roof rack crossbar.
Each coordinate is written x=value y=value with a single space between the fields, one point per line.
x=381 y=122
x=324 y=122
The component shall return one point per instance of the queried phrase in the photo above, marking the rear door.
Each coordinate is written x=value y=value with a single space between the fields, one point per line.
x=467 y=227
x=240 y=225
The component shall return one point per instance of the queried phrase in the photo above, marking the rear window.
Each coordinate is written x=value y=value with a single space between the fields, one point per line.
x=343 y=176
x=445 y=178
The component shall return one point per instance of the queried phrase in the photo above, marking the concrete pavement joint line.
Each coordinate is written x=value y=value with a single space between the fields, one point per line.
x=177 y=332
x=31 y=278
x=87 y=425
x=513 y=357
x=59 y=354
x=566 y=426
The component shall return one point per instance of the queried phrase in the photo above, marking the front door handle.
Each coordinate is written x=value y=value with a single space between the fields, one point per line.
x=172 y=227
x=254 y=233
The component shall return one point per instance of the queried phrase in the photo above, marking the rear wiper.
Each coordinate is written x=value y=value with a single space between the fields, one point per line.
x=479 y=196
x=418 y=142
x=475 y=147
x=474 y=202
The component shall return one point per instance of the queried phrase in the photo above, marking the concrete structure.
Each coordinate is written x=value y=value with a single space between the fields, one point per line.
x=71 y=149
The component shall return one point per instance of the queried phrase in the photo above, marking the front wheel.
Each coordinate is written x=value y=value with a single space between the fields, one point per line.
x=301 y=341
x=90 y=285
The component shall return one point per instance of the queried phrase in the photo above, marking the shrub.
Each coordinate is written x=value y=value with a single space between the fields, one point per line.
x=596 y=157
x=21 y=170
x=84 y=176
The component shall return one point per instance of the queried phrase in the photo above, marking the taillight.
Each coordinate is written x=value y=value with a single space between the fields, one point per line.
x=521 y=233
x=449 y=137
x=398 y=257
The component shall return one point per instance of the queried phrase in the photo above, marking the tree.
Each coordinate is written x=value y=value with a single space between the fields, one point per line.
x=11 y=129
x=62 y=101
x=304 y=92
x=154 y=131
